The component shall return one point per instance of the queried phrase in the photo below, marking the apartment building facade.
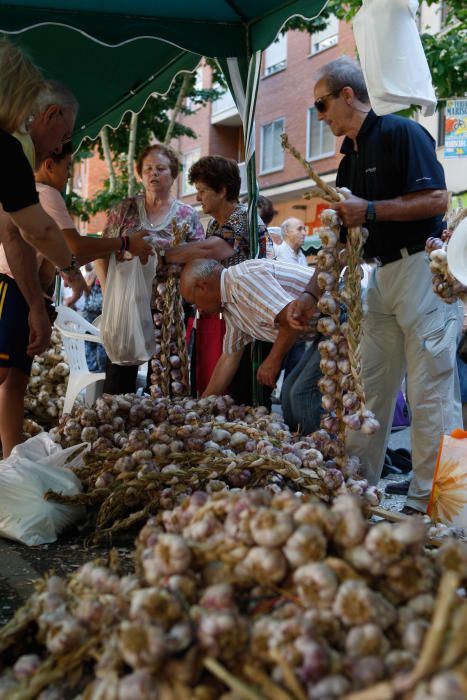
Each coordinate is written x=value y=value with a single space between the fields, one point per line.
x=284 y=104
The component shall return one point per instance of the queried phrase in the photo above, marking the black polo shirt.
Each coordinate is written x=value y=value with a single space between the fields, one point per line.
x=395 y=156
x=17 y=185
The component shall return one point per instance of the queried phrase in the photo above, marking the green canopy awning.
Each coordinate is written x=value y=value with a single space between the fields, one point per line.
x=114 y=53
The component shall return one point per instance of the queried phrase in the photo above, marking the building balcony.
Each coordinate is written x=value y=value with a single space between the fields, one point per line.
x=224 y=112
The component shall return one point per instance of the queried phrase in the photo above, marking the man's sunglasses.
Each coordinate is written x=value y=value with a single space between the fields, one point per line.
x=321 y=102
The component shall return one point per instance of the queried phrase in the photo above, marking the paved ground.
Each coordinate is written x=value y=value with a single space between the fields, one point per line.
x=22 y=565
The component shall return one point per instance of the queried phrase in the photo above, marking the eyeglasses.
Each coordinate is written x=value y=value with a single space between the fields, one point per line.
x=321 y=102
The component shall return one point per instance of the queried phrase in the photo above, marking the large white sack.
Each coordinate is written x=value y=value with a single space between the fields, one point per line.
x=33 y=468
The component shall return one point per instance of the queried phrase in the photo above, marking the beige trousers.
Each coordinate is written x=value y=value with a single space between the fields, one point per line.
x=409 y=329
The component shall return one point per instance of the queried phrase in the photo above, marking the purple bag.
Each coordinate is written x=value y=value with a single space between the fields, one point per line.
x=401 y=413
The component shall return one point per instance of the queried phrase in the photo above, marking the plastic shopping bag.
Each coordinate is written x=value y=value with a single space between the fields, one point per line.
x=33 y=468
x=448 y=502
x=392 y=57
x=127 y=328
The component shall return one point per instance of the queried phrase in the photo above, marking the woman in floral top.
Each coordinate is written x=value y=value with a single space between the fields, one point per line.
x=154 y=211
x=217 y=183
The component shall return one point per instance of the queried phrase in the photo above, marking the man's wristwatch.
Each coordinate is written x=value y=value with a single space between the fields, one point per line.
x=370 y=212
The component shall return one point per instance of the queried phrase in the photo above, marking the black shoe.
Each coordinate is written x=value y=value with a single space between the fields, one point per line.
x=397 y=488
x=400 y=458
x=408 y=510
x=390 y=469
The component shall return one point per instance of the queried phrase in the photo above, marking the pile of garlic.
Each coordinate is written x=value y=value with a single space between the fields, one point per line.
x=147 y=452
x=250 y=595
x=45 y=393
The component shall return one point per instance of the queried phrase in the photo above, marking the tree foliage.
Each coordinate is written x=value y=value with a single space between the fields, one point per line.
x=153 y=123
x=445 y=50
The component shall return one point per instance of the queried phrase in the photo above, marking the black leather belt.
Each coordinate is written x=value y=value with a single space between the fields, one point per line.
x=402 y=253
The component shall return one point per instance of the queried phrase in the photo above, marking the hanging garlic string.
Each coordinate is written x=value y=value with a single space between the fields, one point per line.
x=173 y=327
x=343 y=393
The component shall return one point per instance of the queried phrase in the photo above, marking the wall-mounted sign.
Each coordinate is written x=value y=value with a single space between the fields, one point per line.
x=455 y=143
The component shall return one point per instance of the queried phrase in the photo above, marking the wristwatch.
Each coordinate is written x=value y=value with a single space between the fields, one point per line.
x=371 y=212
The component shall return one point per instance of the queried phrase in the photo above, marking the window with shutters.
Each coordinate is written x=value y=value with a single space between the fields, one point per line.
x=188 y=160
x=320 y=41
x=272 y=154
x=275 y=56
x=321 y=142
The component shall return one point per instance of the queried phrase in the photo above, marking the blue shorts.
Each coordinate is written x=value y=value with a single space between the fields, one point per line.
x=14 y=327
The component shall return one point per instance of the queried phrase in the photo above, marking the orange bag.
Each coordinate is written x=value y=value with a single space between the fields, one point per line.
x=448 y=502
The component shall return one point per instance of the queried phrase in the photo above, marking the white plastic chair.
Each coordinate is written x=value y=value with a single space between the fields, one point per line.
x=75 y=331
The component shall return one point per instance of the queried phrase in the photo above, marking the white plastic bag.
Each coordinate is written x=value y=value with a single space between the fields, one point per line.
x=33 y=468
x=127 y=329
x=392 y=57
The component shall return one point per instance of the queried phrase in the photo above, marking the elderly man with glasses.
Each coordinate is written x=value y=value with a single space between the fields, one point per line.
x=399 y=194
x=254 y=297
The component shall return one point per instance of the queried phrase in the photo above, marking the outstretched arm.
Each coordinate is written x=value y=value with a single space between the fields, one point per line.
x=269 y=370
x=214 y=248
x=224 y=372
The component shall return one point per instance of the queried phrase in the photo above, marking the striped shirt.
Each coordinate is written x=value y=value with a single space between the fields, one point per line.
x=253 y=293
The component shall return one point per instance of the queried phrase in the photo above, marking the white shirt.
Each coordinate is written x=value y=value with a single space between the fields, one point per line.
x=253 y=293
x=287 y=254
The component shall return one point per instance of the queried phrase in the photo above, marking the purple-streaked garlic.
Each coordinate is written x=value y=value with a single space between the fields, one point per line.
x=220 y=633
x=352 y=421
x=263 y=564
x=413 y=636
x=328 y=237
x=328 y=401
x=366 y=671
x=331 y=424
x=448 y=685
x=399 y=661
x=328 y=367
x=306 y=544
x=381 y=543
x=154 y=604
x=327 y=304
x=452 y=555
x=218 y=597
x=326 y=281
x=327 y=385
x=316 y=585
x=139 y=684
x=26 y=666
x=170 y=555
x=354 y=603
x=325 y=259
x=104 y=480
x=332 y=687
x=315 y=660
x=369 y=426
x=64 y=635
x=141 y=645
x=366 y=640
x=327 y=348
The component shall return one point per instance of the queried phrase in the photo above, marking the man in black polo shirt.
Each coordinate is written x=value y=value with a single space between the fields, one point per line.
x=399 y=194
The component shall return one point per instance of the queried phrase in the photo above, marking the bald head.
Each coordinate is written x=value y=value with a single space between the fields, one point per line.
x=200 y=284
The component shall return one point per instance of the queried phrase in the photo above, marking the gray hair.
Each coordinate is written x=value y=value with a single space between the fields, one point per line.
x=285 y=226
x=344 y=72
x=200 y=269
x=55 y=93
